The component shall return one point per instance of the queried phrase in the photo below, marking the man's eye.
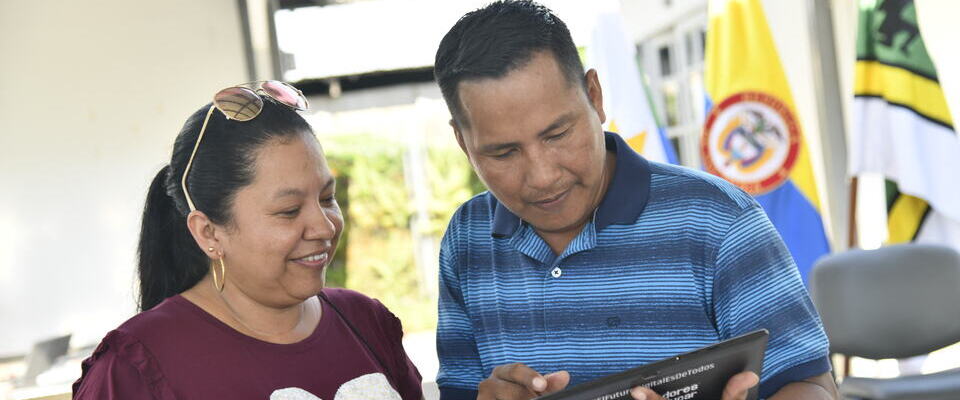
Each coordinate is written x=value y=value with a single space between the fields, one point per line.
x=508 y=153
x=559 y=135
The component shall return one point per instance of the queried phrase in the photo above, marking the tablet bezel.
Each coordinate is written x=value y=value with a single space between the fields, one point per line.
x=750 y=347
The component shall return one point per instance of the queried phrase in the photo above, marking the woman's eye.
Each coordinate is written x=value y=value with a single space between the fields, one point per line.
x=328 y=200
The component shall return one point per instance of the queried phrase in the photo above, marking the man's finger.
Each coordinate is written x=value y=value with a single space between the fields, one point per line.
x=738 y=386
x=642 y=393
x=522 y=375
x=505 y=390
x=556 y=381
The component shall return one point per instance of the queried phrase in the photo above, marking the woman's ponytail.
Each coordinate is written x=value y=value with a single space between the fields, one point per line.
x=169 y=259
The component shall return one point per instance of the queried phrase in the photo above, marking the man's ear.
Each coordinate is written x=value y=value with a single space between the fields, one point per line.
x=459 y=134
x=595 y=93
x=204 y=232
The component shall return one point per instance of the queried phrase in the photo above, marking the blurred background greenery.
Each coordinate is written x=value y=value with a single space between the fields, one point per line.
x=374 y=255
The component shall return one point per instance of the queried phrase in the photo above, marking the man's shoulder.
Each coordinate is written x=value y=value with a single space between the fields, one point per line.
x=474 y=213
x=671 y=183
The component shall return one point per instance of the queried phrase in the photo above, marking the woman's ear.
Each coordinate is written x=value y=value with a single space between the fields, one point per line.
x=204 y=233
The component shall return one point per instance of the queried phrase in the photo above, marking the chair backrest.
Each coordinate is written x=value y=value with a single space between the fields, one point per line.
x=893 y=302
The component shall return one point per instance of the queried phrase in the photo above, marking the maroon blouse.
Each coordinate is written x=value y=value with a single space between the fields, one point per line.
x=178 y=351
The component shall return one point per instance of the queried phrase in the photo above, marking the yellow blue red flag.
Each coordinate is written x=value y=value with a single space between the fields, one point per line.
x=752 y=135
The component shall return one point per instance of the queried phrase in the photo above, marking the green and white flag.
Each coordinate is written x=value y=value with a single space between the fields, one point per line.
x=902 y=126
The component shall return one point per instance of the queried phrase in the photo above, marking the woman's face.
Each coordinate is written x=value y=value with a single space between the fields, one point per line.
x=285 y=225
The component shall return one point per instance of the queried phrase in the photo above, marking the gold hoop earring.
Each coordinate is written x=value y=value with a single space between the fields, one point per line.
x=223 y=275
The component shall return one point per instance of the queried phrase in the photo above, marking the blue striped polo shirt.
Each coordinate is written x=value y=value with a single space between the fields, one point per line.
x=673 y=260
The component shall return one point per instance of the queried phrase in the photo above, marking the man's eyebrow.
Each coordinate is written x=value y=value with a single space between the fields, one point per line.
x=497 y=147
x=560 y=121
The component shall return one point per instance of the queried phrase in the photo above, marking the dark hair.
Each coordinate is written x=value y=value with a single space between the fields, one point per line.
x=170 y=261
x=492 y=41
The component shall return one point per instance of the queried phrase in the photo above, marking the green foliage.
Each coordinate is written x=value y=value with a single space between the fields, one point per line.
x=376 y=253
x=452 y=182
x=337 y=272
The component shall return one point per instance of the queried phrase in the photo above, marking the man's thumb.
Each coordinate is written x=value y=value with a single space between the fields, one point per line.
x=557 y=381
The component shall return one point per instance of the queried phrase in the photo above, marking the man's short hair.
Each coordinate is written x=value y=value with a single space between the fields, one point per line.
x=493 y=41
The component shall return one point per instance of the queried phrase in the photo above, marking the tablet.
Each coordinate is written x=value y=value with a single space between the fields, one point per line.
x=700 y=374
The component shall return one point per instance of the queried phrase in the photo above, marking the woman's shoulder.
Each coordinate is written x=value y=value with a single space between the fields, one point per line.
x=170 y=315
x=120 y=367
x=130 y=356
x=167 y=329
x=353 y=301
x=361 y=309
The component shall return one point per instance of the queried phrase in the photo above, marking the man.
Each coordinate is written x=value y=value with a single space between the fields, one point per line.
x=584 y=259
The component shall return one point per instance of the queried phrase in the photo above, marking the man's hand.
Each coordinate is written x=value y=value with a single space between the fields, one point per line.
x=736 y=388
x=520 y=382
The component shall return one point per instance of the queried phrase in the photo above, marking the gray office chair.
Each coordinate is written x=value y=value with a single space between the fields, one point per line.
x=893 y=302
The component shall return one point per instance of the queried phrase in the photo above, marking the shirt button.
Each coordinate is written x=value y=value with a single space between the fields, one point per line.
x=556 y=272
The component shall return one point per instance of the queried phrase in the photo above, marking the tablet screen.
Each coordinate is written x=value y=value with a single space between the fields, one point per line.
x=697 y=375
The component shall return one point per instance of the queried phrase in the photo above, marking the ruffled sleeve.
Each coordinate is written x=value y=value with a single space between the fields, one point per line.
x=383 y=331
x=407 y=376
x=121 y=367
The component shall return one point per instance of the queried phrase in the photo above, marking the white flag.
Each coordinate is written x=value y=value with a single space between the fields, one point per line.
x=625 y=102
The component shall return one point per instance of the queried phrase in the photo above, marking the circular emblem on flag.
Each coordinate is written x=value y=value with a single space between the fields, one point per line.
x=752 y=140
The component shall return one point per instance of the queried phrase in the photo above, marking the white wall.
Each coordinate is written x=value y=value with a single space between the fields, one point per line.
x=377 y=35
x=92 y=94
x=938 y=25
x=649 y=17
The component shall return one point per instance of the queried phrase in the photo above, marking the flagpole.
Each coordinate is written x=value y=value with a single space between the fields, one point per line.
x=852 y=220
x=831 y=127
x=832 y=131
x=851 y=244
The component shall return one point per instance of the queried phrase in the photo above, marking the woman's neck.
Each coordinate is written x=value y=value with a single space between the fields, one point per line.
x=275 y=324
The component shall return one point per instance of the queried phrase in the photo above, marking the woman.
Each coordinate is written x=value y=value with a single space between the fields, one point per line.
x=237 y=233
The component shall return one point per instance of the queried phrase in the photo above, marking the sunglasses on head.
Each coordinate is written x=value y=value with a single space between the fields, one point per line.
x=243 y=103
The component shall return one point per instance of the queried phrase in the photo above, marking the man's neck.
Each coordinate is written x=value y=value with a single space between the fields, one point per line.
x=558 y=241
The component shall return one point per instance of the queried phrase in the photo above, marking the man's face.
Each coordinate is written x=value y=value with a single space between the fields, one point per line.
x=536 y=141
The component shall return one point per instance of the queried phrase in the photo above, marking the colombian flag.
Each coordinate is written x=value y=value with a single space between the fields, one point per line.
x=752 y=136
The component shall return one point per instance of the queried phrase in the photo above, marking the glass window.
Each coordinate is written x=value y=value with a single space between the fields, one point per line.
x=674 y=57
x=671 y=103
x=703 y=43
x=665 y=63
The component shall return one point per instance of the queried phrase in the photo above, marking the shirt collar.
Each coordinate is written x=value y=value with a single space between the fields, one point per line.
x=623 y=203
